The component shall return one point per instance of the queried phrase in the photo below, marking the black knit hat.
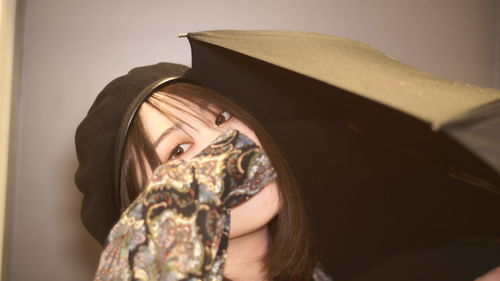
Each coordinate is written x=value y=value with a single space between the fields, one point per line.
x=100 y=140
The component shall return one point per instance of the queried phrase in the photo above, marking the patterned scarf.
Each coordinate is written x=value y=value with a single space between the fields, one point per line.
x=178 y=227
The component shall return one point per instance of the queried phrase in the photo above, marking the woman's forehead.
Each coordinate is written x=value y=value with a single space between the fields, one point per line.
x=178 y=107
x=177 y=111
x=175 y=103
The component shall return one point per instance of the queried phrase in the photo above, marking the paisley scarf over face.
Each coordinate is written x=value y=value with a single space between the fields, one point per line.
x=178 y=227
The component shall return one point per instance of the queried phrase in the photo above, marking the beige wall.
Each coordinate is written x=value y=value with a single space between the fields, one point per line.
x=71 y=49
x=9 y=78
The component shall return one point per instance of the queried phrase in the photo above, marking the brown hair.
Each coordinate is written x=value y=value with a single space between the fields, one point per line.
x=292 y=252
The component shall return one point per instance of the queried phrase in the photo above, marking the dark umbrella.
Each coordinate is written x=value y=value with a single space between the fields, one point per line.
x=390 y=159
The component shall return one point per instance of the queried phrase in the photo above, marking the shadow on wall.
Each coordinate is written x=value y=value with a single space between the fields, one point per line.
x=85 y=250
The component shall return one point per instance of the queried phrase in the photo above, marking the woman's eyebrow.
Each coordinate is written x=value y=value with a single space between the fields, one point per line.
x=165 y=134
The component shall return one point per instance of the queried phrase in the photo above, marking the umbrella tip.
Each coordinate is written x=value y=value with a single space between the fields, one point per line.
x=180 y=35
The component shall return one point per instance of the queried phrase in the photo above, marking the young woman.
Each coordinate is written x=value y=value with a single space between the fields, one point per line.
x=269 y=237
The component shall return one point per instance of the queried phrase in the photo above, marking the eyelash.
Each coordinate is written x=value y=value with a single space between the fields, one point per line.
x=171 y=156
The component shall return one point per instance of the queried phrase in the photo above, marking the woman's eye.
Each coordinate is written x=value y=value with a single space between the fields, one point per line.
x=179 y=150
x=222 y=117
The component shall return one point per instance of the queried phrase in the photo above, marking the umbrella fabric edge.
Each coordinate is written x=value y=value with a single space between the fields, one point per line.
x=358 y=68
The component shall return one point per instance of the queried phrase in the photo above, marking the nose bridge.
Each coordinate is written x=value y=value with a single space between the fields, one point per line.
x=215 y=132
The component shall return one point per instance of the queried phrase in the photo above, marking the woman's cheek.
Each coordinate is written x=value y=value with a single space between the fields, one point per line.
x=256 y=212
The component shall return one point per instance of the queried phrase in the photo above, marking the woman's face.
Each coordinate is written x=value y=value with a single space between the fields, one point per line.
x=172 y=143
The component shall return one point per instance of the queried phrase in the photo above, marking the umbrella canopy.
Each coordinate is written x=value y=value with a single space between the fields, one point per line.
x=389 y=158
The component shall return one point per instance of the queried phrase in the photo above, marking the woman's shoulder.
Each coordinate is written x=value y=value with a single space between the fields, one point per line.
x=320 y=273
